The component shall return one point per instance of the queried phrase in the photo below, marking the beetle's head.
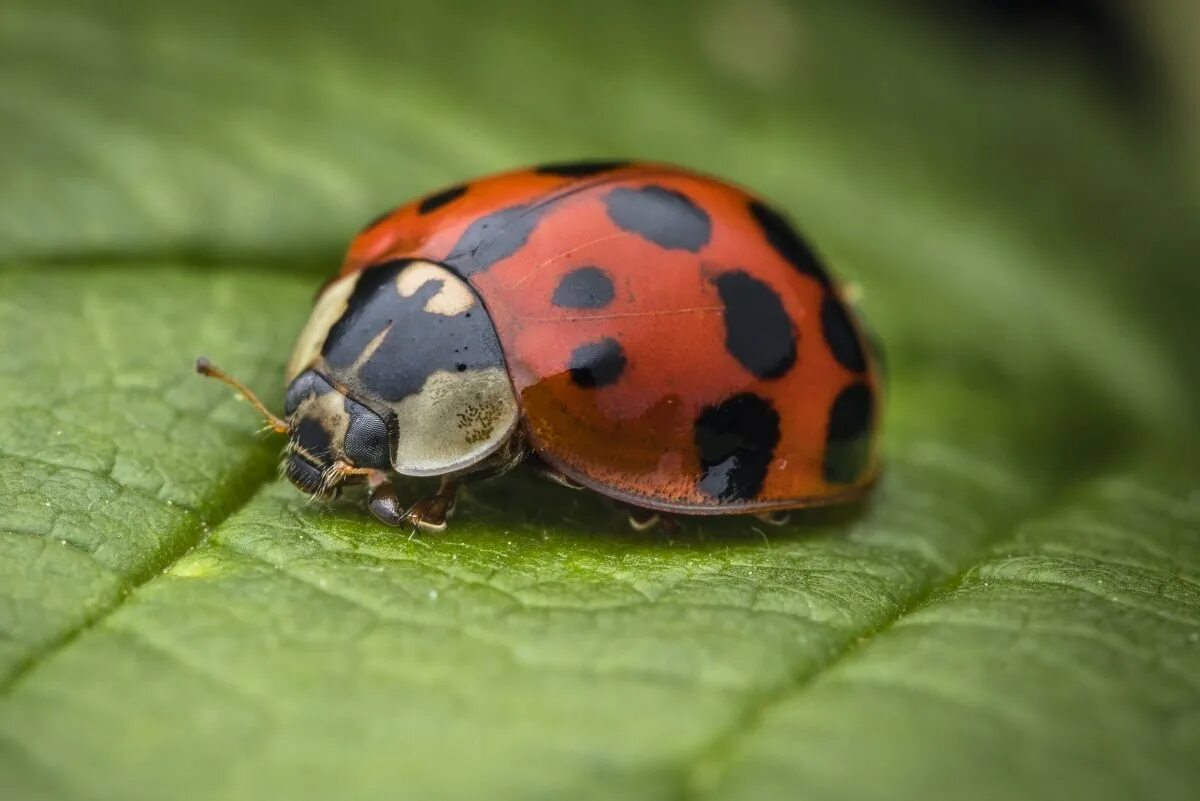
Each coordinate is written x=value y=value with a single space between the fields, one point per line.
x=333 y=439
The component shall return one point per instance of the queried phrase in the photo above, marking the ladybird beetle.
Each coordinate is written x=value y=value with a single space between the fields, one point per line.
x=658 y=336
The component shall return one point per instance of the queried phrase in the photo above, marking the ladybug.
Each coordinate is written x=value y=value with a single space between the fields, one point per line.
x=655 y=335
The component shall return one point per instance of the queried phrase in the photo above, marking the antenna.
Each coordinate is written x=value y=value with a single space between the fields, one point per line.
x=206 y=368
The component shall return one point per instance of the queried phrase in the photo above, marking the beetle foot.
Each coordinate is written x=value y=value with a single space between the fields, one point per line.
x=547 y=472
x=775 y=517
x=643 y=519
x=647 y=519
x=384 y=504
x=430 y=514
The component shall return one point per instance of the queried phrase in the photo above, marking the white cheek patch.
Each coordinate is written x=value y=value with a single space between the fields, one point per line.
x=328 y=309
x=453 y=298
x=455 y=421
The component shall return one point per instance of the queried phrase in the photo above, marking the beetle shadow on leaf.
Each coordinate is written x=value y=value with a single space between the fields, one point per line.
x=521 y=501
x=523 y=505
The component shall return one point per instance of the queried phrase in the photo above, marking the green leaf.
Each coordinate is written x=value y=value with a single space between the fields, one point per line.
x=1014 y=614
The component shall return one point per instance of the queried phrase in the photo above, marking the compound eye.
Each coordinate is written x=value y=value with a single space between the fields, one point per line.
x=367 y=442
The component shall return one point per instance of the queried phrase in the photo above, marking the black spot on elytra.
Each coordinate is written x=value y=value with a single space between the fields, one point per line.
x=848 y=434
x=417 y=344
x=787 y=243
x=438 y=199
x=758 y=332
x=663 y=216
x=494 y=237
x=580 y=169
x=301 y=387
x=367 y=442
x=597 y=364
x=584 y=288
x=736 y=440
x=840 y=335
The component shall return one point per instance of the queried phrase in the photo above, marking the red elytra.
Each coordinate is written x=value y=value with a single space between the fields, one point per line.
x=672 y=341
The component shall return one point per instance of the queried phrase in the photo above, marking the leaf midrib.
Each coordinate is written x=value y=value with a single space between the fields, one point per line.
x=703 y=772
x=256 y=474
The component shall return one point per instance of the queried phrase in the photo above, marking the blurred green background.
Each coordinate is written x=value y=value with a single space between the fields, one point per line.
x=1014 y=614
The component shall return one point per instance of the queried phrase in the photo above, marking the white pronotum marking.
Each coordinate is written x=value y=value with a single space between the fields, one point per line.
x=325 y=313
x=454 y=297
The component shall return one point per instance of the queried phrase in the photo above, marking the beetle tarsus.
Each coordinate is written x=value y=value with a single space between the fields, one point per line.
x=430 y=514
x=641 y=519
x=384 y=504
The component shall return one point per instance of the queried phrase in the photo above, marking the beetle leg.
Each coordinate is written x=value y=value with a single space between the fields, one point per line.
x=775 y=517
x=641 y=519
x=547 y=472
x=384 y=504
x=429 y=514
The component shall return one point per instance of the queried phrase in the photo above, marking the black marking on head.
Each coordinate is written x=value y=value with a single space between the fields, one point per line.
x=787 y=242
x=758 y=332
x=493 y=238
x=314 y=439
x=435 y=201
x=663 y=216
x=304 y=474
x=418 y=343
x=580 y=169
x=848 y=435
x=840 y=335
x=377 y=221
x=597 y=364
x=736 y=440
x=306 y=383
x=584 y=288
x=367 y=441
